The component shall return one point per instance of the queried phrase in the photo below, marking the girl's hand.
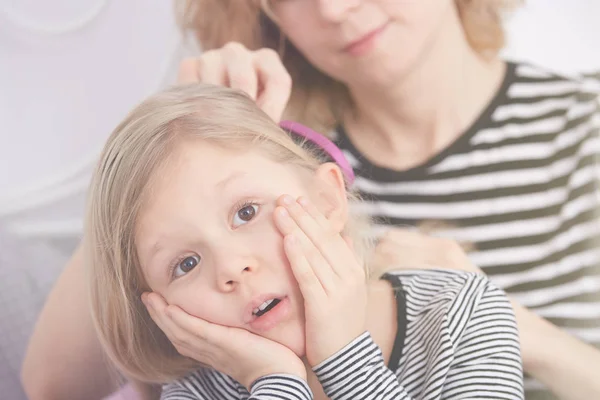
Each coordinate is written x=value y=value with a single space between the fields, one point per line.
x=331 y=280
x=233 y=351
x=403 y=248
x=260 y=74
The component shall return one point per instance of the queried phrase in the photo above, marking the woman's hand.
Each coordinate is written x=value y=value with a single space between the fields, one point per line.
x=260 y=74
x=402 y=248
x=233 y=351
x=331 y=279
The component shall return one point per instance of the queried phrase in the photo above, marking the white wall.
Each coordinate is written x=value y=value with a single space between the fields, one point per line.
x=71 y=69
x=563 y=35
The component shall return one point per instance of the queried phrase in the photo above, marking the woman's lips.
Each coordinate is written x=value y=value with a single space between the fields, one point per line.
x=362 y=45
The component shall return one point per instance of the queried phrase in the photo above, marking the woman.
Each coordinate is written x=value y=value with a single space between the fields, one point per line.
x=438 y=128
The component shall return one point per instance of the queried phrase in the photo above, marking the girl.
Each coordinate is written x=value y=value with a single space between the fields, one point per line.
x=245 y=249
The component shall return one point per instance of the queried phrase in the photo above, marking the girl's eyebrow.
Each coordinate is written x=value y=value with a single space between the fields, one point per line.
x=228 y=179
x=155 y=249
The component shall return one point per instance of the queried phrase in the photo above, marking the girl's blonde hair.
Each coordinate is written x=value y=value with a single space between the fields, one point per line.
x=317 y=100
x=136 y=152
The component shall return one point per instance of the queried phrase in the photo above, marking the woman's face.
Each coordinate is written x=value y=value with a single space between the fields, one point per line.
x=207 y=242
x=363 y=41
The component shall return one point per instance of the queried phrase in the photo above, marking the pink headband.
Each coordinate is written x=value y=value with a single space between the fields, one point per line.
x=324 y=144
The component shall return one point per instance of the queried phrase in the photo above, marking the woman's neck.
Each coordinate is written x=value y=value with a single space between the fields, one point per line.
x=403 y=125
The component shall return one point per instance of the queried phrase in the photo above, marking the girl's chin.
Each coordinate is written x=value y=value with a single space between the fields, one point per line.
x=295 y=343
x=299 y=350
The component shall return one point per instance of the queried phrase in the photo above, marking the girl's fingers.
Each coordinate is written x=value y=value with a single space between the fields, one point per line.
x=155 y=306
x=310 y=285
x=312 y=210
x=329 y=242
x=349 y=242
x=196 y=327
x=306 y=252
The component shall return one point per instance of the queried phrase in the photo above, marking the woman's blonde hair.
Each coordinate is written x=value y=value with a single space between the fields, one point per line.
x=134 y=156
x=317 y=100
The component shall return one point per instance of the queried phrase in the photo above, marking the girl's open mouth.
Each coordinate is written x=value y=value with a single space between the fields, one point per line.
x=265 y=307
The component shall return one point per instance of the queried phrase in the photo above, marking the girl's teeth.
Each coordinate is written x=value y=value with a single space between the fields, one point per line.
x=262 y=306
x=265 y=304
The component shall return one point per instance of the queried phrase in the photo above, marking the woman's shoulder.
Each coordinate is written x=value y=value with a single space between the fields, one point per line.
x=533 y=83
x=203 y=384
x=528 y=72
x=540 y=106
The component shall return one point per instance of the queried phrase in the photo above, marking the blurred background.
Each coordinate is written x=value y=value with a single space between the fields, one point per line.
x=69 y=72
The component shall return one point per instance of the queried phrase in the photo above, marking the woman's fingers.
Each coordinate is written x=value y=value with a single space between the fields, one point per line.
x=260 y=74
x=275 y=83
x=402 y=248
x=211 y=69
x=188 y=71
x=240 y=71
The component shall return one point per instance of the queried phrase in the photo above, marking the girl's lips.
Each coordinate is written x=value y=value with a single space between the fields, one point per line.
x=256 y=302
x=272 y=317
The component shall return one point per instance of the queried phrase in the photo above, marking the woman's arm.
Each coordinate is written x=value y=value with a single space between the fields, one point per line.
x=566 y=365
x=64 y=358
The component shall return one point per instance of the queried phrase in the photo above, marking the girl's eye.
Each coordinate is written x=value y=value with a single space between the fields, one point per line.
x=186 y=265
x=245 y=214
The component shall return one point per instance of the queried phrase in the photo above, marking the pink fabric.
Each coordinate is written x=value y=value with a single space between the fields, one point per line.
x=125 y=393
x=327 y=145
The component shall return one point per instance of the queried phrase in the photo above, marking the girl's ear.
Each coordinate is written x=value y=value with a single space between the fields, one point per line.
x=331 y=194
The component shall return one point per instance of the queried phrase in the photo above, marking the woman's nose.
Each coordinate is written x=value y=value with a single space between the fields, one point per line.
x=337 y=10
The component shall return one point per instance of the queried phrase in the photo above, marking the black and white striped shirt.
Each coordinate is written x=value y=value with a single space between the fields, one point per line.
x=457 y=338
x=521 y=185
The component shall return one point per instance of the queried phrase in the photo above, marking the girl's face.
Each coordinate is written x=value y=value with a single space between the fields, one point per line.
x=207 y=242
x=364 y=41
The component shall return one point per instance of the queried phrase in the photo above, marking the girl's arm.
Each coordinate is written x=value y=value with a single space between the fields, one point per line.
x=477 y=352
x=277 y=386
x=566 y=365
x=64 y=358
